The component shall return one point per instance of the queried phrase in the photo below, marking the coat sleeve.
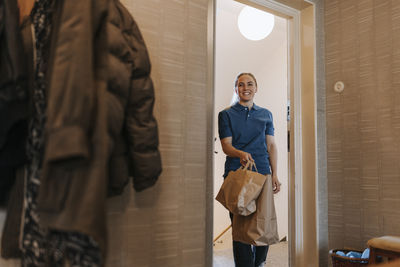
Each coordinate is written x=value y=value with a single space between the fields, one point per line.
x=72 y=80
x=140 y=125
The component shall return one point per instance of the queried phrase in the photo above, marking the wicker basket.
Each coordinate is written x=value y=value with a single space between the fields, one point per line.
x=341 y=261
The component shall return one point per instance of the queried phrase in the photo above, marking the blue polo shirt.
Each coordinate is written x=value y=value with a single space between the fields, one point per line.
x=248 y=129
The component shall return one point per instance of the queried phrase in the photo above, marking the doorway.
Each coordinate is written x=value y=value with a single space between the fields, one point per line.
x=302 y=181
x=267 y=59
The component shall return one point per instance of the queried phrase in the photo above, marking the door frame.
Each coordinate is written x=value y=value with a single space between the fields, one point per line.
x=296 y=210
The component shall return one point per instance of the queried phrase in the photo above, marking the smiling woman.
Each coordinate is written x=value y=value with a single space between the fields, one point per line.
x=246 y=132
x=245 y=86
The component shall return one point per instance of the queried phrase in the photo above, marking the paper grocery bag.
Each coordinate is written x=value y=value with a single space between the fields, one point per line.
x=259 y=228
x=240 y=190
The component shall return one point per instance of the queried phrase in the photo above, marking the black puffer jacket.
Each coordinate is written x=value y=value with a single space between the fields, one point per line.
x=13 y=96
x=130 y=105
x=13 y=74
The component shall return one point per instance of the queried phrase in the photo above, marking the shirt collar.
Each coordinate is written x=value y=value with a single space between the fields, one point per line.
x=239 y=107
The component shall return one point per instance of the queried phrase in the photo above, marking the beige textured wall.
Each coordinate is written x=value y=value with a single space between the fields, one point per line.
x=166 y=225
x=363 y=123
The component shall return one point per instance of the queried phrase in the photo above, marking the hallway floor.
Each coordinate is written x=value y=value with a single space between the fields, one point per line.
x=223 y=256
x=277 y=256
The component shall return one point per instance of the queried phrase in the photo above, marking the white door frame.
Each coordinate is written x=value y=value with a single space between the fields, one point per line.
x=295 y=213
x=296 y=245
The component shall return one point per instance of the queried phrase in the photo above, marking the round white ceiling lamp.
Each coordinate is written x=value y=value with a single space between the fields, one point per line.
x=255 y=24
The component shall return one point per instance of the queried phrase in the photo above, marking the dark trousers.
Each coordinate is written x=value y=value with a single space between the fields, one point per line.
x=246 y=255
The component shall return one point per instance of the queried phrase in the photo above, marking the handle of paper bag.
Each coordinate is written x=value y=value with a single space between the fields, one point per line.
x=249 y=166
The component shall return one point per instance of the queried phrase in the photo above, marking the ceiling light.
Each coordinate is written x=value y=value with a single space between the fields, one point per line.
x=255 y=24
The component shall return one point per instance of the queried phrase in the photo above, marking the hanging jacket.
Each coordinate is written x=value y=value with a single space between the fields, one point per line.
x=13 y=90
x=11 y=231
x=73 y=183
x=132 y=126
x=73 y=189
x=95 y=111
x=100 y=128
x=13 y=96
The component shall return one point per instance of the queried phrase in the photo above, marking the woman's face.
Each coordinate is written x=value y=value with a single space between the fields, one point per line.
x=246 y=88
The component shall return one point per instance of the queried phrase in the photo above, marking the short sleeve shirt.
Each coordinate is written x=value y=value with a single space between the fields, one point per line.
x=248 y=129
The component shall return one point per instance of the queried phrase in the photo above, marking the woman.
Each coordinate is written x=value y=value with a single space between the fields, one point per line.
x=247 y=134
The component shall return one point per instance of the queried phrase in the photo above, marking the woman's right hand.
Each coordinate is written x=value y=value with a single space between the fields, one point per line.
x=245 y=157
x=230 y=151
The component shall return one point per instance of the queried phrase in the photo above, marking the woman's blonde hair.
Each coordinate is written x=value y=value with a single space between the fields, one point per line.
x=235 y=97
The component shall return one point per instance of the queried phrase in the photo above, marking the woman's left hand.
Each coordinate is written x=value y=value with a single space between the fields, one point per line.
x=276 y=185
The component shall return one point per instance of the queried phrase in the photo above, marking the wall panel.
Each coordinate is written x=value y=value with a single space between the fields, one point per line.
x=165 y=225
x=362 y=50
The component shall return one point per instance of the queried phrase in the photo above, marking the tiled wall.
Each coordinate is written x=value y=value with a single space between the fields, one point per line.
x=166 y=225
x=363 y=123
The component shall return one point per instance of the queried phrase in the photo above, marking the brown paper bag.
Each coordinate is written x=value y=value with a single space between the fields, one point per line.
x=240 y=190
x=259 y=228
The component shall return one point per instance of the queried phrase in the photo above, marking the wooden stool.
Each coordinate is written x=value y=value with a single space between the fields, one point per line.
x=384 y=246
